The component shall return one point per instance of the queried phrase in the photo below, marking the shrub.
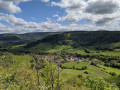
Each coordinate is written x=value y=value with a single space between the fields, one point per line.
x=32 y=65
x=80 y=76
x=118 y=76
x=73 y=67
x=93 y=63
x=107 y=64
x=60 y=65
x=84 y=68
x=113 y=73
x=99 y=84
x=86 y=72
x=87 y=51
x=31 y=61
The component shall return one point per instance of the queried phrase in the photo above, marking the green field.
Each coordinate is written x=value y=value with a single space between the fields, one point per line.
x=110 y=69
x=49 y=48
x=93 y=70
x=21 y=59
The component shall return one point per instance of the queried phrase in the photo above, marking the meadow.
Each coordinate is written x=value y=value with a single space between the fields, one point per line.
x=22 y=74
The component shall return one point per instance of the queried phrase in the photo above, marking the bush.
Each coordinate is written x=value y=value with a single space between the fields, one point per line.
x=31 y=61
x=77 y=68
x=84 y=68
x=93 y=63
x=107 y=64
x=99 y=84
x=6 y=60
x=118 y=76
x=73 y=67
x=60 y=65
x=32 y=65
x=87 y=51
x=80 y=76
x=86 y=72
x=113 y=73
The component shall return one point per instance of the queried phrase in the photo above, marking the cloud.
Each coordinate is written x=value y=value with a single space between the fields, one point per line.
x=18 y=25
x=44 y=0
x=56 y=15
x=104 y=21
x=72 y=8
x=99 y=12
x=11 y=5
x=70 y=4
x=102 y=6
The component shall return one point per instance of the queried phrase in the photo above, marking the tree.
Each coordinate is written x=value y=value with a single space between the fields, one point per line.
x=73 y=67
x=86 y=50
x=113 y=73
x=119 y=76
x=53 y=76
x=6 y=60
x=39 y=64
x=99 y=84
x=84 y=67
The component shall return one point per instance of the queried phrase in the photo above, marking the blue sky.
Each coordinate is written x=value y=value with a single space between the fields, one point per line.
x=40 y=11
x=22 y=16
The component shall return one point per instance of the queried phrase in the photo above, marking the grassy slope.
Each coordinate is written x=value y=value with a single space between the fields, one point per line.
x=49 y=48
x=22 y=65
x=110 y=53
x=43 y=47
x=21 y=60
x=93 y=71
x=110 y=69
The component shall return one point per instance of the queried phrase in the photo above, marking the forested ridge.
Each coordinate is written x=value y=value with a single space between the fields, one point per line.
x=83 y=38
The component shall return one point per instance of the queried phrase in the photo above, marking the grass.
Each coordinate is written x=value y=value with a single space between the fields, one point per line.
x=110 y=69
x=76 y=50
x=117 y=50
x=21 y=59
x=58 y=48
x=49 y=48
x=110 y=53
x=42 y=47
x=18 y=46
x=77 y=65
x=22 y=67
x=93 y=70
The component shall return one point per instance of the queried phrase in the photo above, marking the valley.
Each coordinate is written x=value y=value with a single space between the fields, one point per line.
x=64 y=61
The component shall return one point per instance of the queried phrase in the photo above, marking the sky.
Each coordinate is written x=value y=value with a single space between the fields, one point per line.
x=24 y=16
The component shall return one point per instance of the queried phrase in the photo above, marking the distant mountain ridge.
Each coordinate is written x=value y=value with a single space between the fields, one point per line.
x=81 y=38
x=29 y=36
x=16 y=39
x=100 y=39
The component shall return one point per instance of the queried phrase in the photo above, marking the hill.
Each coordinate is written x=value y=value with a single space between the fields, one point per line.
x=18 y=39
x=7 y=40
x=35 y=35
x=79 y=56
x=76 y=39
x=87 y=43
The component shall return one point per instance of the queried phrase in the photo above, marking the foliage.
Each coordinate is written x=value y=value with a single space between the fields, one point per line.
x=6 y=59
x=113 y=73
x=99 y=84
x=39 y=72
